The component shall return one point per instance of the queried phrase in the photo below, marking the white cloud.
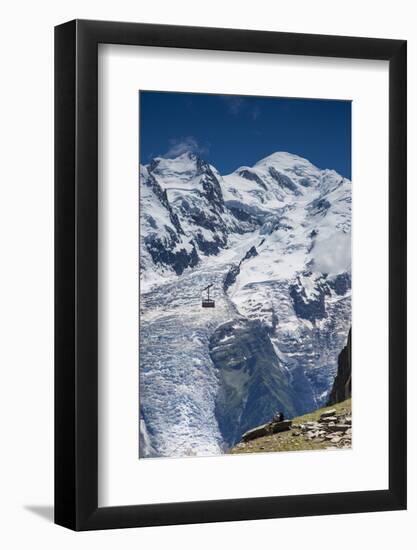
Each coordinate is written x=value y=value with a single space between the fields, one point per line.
x=333 y=254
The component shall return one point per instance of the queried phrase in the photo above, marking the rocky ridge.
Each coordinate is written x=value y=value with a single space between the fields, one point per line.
x=342 y=385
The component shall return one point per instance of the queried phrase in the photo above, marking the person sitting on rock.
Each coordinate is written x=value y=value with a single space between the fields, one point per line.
x=278 y=417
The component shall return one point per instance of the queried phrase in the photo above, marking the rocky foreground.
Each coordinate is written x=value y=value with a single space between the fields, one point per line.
x=327 y=428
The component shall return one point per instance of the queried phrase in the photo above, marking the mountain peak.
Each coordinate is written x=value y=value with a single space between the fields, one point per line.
x=188 y=156
x=181 y=168
x=284 y=160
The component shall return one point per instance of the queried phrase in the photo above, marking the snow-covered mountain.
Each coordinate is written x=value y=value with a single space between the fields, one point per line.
x=274 y=240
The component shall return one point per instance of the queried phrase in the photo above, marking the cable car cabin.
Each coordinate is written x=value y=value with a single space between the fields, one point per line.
x=207 y=302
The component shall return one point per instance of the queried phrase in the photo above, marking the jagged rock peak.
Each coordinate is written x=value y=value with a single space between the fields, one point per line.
x=184 y=167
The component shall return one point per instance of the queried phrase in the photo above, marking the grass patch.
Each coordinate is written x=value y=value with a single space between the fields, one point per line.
x=286 y=441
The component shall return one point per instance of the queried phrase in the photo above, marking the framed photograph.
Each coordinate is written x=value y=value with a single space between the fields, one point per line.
x=230 y=334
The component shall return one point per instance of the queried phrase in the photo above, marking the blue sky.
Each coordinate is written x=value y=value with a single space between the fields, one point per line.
x=231 y=131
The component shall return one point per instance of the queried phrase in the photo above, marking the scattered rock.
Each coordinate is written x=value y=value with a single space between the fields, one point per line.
x=330 y=412
x=333 y=434
x=311 y=425
x=329 y=419
x=332 y=428
x=341 y=427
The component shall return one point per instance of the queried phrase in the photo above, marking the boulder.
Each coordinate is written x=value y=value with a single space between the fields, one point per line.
x=341 y=427
x=330 y=412
x=266 y=429
x=328 y=419
x=254 y=433
x=276 y=427
x=332 y=435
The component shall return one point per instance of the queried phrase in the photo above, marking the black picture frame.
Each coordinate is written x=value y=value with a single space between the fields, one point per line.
x=76 y=272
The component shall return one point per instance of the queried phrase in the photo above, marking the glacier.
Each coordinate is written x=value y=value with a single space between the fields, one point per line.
x=274 y=240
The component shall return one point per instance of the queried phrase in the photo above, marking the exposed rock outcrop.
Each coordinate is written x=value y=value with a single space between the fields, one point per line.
x=342 y=385
x=253 y=384
x=235 y=269
x=267 y=429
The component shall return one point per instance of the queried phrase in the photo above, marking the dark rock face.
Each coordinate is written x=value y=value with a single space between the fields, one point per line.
x=342 y=386
x=319 y=207
x=284 y=181
x=166 y=250
x=212 y=189
x=341 y=284
x=247 y=174
x=305 y=182
x=251 y=253
x=209 y=248
x=253 y=384
x=311 y=309
x=235 y=269
x=178 y=260
x=231 y=277
x=243 y=216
